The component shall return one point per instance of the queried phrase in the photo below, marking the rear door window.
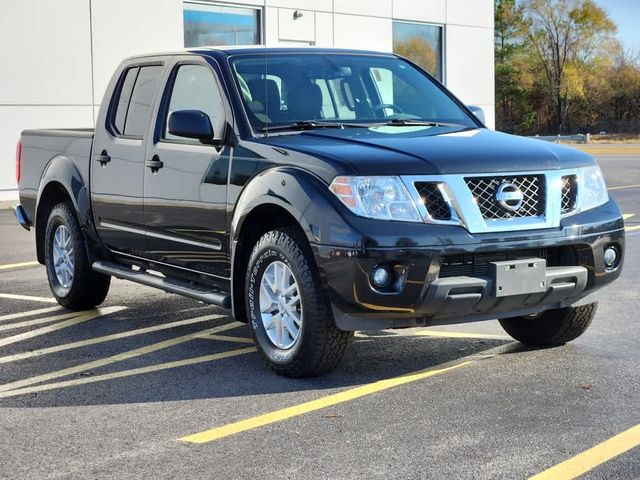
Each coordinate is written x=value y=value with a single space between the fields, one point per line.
x=141 y=104
x=124 y=99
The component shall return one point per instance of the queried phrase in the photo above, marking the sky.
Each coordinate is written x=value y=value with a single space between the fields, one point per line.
x=626 y=15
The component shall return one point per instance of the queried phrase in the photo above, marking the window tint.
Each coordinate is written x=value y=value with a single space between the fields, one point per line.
x=137 y=118
x=195 y=88
x=125 y=97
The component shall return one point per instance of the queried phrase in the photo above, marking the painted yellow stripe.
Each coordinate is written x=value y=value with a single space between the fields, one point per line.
x=106 y=338
x=590 y=459
x=626 y=216
x=224 y=338
x=79 y=318
x=441 y=334
x=632 y=229
x=112 y=359
x=19 y=265
x=129 y=373
x=40 y=321
x=335 y=399
x=30 y=313
x=29 y=298
x=622 y=187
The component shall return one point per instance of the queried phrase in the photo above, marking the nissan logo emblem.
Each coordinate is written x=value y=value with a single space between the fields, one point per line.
x=509 y=196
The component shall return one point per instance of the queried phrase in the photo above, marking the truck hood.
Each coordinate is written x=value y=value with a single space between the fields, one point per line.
x=431 y=150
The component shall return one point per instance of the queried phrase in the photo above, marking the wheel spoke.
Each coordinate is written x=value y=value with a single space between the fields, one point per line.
x=280 y=305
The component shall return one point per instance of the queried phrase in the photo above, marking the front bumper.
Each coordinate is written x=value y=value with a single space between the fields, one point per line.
x=441 y=278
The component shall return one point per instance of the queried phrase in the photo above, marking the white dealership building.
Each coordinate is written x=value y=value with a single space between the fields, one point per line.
x=56 y=57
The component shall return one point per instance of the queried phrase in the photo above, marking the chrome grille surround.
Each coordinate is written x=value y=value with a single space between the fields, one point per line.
x=466 y=212
x=569 y=193
x=484 y=190
x=432 y=198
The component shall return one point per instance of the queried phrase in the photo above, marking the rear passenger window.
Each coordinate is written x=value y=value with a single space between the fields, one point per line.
x=125 y=98
x=133 y=110
x=141 y=104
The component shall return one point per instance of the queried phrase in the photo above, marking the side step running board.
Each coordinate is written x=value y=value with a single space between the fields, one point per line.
x=199 y=292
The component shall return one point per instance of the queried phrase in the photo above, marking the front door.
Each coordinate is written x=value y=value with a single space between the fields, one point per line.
x=117 y=167
x=185 y=181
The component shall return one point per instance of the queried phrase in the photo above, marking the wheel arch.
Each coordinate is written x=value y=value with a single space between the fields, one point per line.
x=61 y=182
x=275 y=198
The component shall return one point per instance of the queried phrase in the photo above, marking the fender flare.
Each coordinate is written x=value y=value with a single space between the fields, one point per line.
x=63 y=171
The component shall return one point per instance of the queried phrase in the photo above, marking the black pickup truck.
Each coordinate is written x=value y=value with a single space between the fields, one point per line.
x=317 y=192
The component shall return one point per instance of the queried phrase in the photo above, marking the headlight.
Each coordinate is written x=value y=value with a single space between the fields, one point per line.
x=592 y=189
x=384 y=198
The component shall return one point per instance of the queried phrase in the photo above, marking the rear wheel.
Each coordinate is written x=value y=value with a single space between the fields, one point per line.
x=289 y=315
x=553 y=327
x=72 y=281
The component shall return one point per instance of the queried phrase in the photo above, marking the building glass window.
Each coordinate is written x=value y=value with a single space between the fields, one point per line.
x=420 y=43
x=209 y=24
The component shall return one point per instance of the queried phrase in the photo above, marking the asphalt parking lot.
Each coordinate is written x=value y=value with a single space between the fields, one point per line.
x=152 y=385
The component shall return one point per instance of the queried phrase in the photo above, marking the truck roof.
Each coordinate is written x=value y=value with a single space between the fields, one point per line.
x=228 y=51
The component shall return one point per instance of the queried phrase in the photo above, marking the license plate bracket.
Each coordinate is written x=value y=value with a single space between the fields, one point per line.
x=518 y=277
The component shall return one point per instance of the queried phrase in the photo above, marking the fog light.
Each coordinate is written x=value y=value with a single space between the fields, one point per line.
x=610 y=257
x=380 y=277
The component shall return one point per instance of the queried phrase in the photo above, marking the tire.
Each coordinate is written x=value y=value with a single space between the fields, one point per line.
x=553 y=327
x=77 y=287
x=319 y=345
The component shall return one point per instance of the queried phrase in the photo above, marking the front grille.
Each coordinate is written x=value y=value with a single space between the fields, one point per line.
x=477 y=264
x=433 y=200
x=569 y=193
x=484 y=189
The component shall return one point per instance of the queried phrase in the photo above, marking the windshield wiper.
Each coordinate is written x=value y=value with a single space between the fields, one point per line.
x=309 y=125
x=401 y=122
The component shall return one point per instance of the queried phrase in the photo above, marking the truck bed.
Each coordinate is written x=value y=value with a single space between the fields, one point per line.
x=41 y=146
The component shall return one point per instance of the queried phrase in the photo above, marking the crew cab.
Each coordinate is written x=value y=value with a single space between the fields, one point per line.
x=317 y=192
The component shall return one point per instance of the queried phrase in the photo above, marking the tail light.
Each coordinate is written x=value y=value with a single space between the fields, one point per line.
x=18 y=161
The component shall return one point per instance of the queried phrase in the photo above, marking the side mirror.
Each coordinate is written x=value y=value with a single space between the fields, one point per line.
x=478 y=112
x=191 y=124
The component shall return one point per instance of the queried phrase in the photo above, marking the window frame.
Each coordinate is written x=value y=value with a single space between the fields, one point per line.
x=443 y=48
x=259 y=9
x=110 y=125
x=162 y=116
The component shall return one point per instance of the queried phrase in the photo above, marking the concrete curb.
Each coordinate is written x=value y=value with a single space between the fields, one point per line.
x=8 y=204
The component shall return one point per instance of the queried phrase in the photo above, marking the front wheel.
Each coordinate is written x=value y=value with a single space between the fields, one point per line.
x=289 y=315
x=553 y=327
x=72 y=281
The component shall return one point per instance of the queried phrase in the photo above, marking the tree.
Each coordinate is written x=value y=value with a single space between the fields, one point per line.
x=419 y=51
x=565 y=35
x=513 y=113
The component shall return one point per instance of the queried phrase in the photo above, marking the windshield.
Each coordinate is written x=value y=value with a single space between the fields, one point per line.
x=286 y=89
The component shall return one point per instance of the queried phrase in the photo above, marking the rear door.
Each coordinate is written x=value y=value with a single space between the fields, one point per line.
x=185 y=198
x=117 y=168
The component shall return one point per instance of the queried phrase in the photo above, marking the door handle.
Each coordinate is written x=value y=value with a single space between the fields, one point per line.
x=103 y=158
x=154 y=164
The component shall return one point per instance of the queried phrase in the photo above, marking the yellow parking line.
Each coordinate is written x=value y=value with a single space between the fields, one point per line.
x=113 y=359
x=626 y=216
x=441 y=334
x=224 y=338
x=129 y=373
x=11 y=296
x=13 y=316
x=622 y=187
x=337 y=398
x=106 y=338
x=590 y=459
x=632 y=229
x=19 y=265
x=79 y=317
x=40 y=321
